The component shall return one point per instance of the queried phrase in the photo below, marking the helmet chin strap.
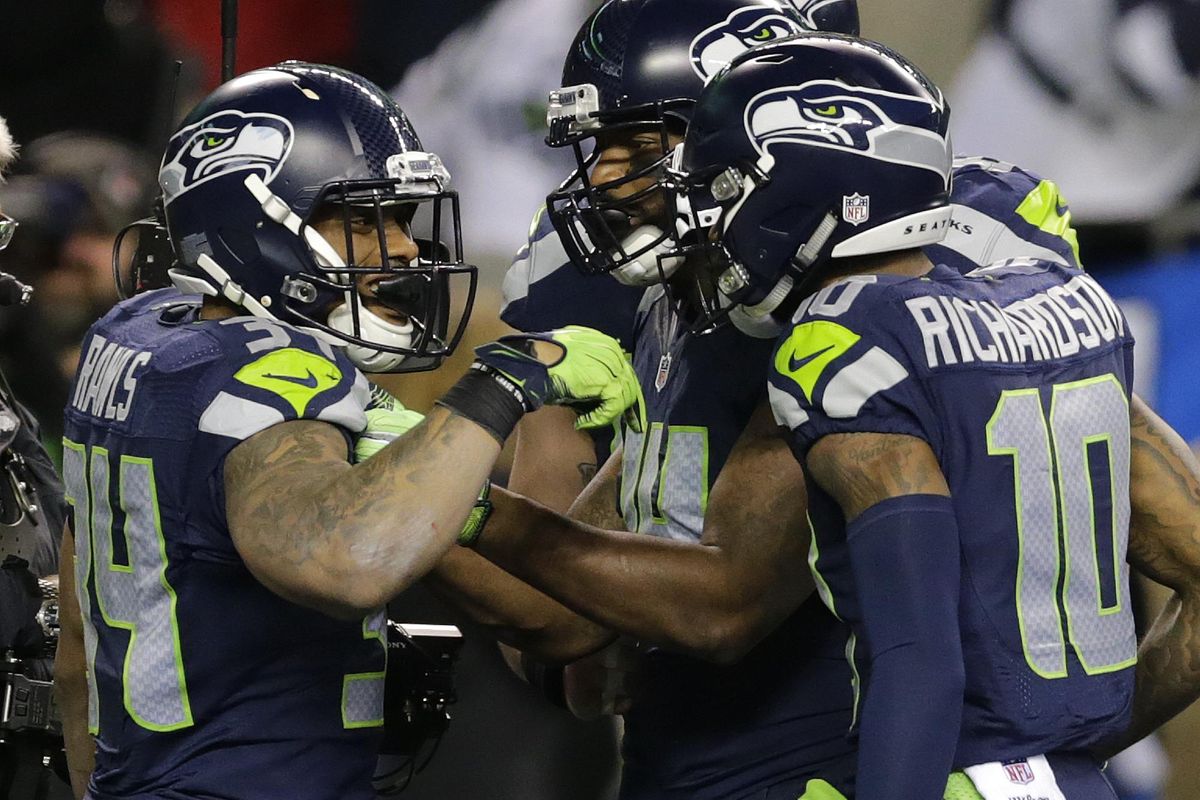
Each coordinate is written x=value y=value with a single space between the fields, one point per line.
x=758 y=320
x=371 y=328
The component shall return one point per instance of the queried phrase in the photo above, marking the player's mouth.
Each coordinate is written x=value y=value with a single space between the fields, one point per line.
x=396 y=297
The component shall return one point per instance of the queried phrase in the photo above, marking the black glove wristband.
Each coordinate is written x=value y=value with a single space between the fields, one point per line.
x=481 y=397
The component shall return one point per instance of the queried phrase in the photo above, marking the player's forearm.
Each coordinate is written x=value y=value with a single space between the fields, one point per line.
x=904 y=555
x=910 y=724
x=552 y=462
x=513 y=611
x=346 y=539
x=1167 y=674
x=673 y=594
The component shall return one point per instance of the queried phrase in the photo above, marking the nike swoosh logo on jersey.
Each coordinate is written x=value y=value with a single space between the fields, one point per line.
x=796 y=364
x=309 y=382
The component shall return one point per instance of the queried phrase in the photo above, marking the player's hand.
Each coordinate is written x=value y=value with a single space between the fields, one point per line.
x=574 y=366
x=820 y=790
x=387 y=420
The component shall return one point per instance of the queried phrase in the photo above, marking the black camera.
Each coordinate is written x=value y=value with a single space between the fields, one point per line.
x=27 y=704
x=418 y=689
x=31 y=743
x=419 y=685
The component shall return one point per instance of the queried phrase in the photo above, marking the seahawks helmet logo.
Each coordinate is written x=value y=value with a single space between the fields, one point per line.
x=719 y=44
x=225 y=142
x=833 y=115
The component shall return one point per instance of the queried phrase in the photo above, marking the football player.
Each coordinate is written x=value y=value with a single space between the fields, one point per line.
x=686 y=480
x=999 y=211
x=231 y=564
x=994 y=640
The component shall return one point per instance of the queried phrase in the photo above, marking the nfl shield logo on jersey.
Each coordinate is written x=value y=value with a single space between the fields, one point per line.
x=856 y=209
x=1019 y=771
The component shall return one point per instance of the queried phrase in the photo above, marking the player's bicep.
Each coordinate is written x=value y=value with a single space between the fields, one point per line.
x=860 y=470
x=1164 y=535
x=271 y=480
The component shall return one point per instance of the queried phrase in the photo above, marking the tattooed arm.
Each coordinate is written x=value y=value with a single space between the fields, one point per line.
x=862 y=469
x=344 y=539
x=1164 y=544
x=714 y=600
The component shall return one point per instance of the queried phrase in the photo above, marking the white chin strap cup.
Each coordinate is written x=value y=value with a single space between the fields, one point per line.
x=372 y=328
x=643 y=270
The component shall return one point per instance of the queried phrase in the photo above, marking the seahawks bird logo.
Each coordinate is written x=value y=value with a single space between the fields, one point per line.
x=833 y=115
x=225 y=142
x=719 y=44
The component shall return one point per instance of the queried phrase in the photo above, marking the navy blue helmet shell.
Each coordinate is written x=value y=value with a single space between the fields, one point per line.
x=815 y=148
x=645 y=52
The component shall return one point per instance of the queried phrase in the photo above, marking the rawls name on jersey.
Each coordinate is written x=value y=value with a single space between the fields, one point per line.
x=106 y=381
x=1056 y=323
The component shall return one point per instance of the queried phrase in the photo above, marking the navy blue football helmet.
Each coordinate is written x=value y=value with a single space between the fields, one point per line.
x=638 y=66
x=252 y=165
x=803 y=152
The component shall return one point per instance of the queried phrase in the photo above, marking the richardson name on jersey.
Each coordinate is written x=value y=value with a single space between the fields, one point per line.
x=1056 y=323
x=106 y=380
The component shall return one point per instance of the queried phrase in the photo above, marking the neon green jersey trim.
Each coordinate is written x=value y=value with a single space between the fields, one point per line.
x=809 y=349
x=297 y=376
x=1040 y=208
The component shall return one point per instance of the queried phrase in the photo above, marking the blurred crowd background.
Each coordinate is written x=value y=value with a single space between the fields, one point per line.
x=1100 y=95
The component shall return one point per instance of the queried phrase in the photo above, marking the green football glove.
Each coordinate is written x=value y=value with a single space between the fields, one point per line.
x=820 y=790
x=477 y=518
x=387 y=420
x=592 y=376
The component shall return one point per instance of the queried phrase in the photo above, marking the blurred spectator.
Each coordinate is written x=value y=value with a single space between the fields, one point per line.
x=1103 y=96
x=481 y=100
x=74 y=191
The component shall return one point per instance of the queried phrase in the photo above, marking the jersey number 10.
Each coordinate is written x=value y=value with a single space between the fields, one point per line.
x=1071 y=483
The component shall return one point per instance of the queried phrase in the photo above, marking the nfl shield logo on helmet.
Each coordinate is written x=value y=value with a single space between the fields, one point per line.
x=1018 y=771
x=856 y=209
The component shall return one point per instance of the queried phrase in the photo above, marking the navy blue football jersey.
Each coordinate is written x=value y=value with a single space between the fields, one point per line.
x=1018 y=377
x=701 y=731
x=203 y=683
